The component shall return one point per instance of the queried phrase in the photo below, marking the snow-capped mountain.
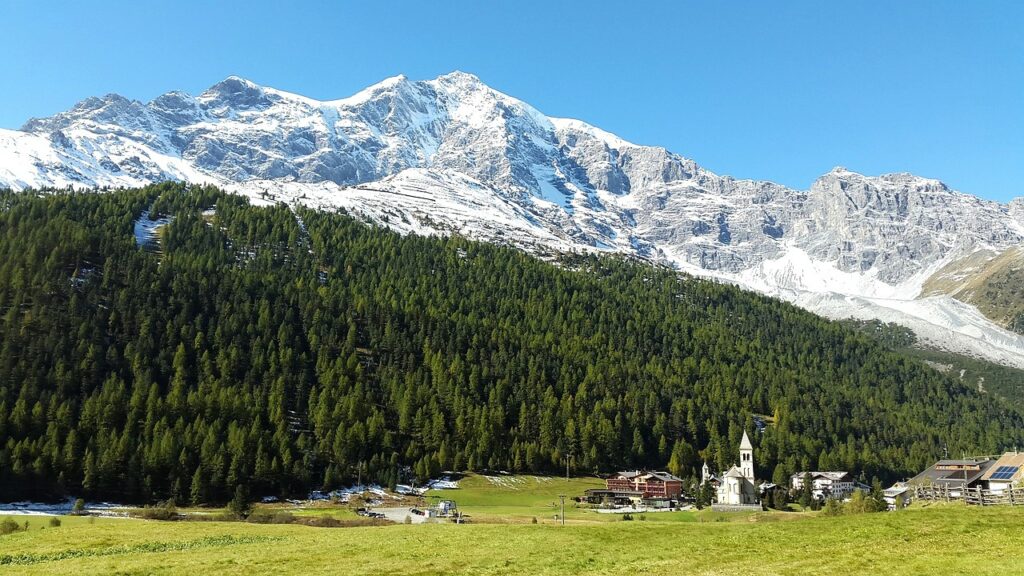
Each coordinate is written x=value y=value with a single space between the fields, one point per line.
x=453 y=155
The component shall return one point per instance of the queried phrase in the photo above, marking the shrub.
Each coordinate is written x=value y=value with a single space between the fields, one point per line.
x=861 y=502
x=54 y=522
x=79 y=507
x=268 y=517
x=7 y=526
x=283 y=518
x=260 y=517
x=627 y=517
x=161 y=511
x=326 y=522
x=832 y=508
x=534 y=521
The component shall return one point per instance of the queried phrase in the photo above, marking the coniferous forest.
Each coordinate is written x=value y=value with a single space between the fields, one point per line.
x=287 y=350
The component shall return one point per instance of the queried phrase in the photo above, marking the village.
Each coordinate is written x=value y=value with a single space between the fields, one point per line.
x=561 y=512
x=500 y=496
x=984 y=481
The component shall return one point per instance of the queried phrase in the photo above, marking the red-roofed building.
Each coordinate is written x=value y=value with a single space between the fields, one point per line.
x=649 y=484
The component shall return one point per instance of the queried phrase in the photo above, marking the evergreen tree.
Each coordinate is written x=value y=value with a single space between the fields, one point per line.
x=807 y=492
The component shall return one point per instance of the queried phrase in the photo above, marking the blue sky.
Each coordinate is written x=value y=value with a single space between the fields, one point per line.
x=771 y=90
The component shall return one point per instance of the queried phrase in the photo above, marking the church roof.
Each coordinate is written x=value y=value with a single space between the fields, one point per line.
x=745 y=443
x=734 y=472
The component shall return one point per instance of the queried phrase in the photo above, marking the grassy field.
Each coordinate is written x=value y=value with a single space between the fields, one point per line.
x=946 y=540
x=949 y=539
x=520 y=499
x=517 y=498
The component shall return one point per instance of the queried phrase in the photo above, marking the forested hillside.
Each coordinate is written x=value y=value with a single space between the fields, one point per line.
x=285 y=350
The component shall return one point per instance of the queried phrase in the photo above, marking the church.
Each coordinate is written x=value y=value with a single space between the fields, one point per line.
x=736 y=486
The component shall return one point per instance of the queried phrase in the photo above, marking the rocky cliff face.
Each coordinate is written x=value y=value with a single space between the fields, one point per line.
x=453 y=155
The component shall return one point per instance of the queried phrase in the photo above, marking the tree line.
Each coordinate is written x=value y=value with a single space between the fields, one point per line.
x=282 y=350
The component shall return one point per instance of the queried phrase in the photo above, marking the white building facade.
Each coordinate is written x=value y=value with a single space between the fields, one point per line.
x=825 y=485
x=736 y=487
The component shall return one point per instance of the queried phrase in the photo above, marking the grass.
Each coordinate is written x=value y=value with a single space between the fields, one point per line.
x=518 y=498
x=941 y=540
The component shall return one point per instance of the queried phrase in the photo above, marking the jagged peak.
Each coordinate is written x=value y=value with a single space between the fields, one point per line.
x=229 y=86
x=889 y=177
x=393 y=81
x=571 y=124
x=84 y=108
x=388 y=84
x=459 y=77
x=237 y=80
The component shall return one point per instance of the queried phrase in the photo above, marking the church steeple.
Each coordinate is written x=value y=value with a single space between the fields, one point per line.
x=747 y=457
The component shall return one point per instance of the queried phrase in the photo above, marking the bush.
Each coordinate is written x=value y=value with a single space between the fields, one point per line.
x=54 y=522
x=326 y=522
x=8 y=526
x=267 y=517
x=79 y=507
x=160 y=511
x=832 y=508
x=260 y=517
x=627 y=517
x=534 y=521
x=861 y=503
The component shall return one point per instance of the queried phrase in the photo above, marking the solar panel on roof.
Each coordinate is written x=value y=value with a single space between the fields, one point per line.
x=1005 y=472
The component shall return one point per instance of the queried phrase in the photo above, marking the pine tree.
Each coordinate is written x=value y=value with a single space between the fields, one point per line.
x=807 y=492
x=197 y=494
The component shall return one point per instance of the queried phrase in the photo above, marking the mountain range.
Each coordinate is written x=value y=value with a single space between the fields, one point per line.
x=452 y=155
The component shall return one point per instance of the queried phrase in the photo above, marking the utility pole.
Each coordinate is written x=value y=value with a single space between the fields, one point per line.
x=562 y=496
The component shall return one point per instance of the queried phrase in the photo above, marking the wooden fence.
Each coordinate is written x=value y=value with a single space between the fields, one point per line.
x=972 y=496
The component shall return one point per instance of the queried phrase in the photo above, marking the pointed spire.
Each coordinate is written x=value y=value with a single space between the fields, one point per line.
x=745 y=442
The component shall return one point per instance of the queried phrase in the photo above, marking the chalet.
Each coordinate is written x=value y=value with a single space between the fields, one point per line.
x=648 y=484
x=825 y=485
x=1006 y=472
x=954 y=476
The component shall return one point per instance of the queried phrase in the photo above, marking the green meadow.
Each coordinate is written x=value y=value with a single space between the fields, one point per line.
x=947 y=540
x=502 y=539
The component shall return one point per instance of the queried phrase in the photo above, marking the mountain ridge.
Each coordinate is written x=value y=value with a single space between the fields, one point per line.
x=452 y=155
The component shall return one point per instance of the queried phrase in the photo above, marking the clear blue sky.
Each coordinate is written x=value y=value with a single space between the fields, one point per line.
x=775 y=90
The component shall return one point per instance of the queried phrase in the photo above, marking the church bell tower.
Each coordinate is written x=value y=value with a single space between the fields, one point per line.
x=747 y=457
